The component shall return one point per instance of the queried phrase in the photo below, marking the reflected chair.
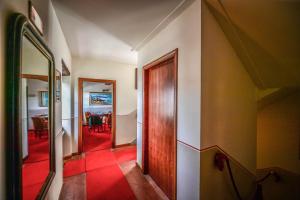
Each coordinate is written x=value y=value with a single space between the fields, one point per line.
x=40 y=125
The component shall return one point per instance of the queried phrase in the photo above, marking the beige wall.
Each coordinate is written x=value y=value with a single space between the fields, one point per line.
x=278 y=134
x=124 y=74
x=56 y=41
x=216 y=185
x=228 y=96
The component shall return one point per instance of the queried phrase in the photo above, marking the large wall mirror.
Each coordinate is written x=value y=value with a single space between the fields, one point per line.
x=30 y=103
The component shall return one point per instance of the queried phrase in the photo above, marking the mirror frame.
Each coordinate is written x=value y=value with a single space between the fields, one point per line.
x=19 y=27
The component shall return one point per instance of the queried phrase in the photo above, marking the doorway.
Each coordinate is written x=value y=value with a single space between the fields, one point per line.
x=96 y=114
x=160 y=122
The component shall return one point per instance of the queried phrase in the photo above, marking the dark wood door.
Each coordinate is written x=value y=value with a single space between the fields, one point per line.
x=162 y=125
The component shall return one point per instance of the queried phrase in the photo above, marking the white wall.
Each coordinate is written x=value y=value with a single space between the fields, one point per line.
x=183 y=33
x=66 y=114
x=59 y=47
x=228 y=97
x=124 y=74
x=56 y=41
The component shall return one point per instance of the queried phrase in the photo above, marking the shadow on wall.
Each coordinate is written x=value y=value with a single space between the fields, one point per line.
x=288 y=187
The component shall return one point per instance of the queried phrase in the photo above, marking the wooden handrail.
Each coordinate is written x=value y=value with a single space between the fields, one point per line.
x=230 y=158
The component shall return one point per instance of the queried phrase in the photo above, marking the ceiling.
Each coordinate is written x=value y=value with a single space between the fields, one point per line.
x=266 y=36
x=111 y=29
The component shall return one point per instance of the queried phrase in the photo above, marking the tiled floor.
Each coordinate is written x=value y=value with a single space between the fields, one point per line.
x=144 y=188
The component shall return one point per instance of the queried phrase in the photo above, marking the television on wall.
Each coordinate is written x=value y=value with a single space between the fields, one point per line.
x=100 y=98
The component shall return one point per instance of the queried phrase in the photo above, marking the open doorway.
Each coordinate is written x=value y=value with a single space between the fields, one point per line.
x=97 y=114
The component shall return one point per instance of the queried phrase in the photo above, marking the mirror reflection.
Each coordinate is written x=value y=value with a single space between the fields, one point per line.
x=35 y=122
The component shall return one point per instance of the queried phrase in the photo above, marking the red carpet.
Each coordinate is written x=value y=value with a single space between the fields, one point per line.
x=35 y=168
x=34 y=175
x=108 y=183
x=99 y=159
x=38 y=148
x=31 y=192
x=94 y=141
x=125 y=154
x=74 y=167
x=105 y=180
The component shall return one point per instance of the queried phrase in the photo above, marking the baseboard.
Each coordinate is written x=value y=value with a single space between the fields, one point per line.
x=26 y=157
x=137 y=164
x=125 y=145
x=70 y=156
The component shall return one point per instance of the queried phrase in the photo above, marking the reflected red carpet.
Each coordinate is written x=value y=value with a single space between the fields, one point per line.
x=34 y=175
x=38 y=148
x=35 y=168
x=104 y=178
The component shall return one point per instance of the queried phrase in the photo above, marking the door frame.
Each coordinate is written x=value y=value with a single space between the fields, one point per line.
x=80 y=109
x=173 y=55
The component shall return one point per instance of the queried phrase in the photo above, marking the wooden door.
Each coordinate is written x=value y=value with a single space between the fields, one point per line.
x=161 y=86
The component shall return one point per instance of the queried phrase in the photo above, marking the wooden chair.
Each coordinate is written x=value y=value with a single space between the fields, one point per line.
x=87 y=116
x=109 y=119
x=40 y=125
x=95 y=121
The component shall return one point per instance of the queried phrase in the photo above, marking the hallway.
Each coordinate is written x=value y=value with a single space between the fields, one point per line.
x=105 y=173
x=149 y=100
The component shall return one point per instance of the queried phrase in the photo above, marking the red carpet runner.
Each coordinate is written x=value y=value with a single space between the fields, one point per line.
x=36 y=166
x=104 y=179
x=108 y=183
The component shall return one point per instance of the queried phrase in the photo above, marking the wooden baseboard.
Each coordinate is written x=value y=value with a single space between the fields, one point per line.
x=26 y=157
x=137 y=164
x=70 y=156
x=125 y=145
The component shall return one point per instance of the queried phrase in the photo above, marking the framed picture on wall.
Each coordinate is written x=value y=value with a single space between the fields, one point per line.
x=58 y=86
x=44 y=99
x=100 y=98
x=35 y=18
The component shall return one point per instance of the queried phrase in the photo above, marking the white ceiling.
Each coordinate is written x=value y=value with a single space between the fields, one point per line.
x=110 y=29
